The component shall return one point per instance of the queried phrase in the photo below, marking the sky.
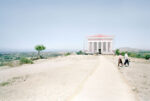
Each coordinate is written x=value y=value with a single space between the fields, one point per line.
x=65 y=24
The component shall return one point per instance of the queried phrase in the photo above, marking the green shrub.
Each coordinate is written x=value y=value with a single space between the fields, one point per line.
x=4 y=83
x=147 y=57
x=79 y=53
x=122 y=53
x=66 y=54
x=26 y=61
x=42 y=57
x=117 y=52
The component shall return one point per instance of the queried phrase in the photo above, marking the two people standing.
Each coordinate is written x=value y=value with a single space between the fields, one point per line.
x=126 y=63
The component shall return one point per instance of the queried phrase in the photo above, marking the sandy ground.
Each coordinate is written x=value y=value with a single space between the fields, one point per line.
x=137 y=75
x=58 y=79
x=49 y=80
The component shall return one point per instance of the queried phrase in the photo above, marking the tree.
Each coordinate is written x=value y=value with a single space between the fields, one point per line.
x=117 y=52
x=147 y=57
x=122 y=53
x=39 y=48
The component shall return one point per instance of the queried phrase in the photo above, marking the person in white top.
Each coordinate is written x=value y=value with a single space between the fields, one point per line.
x=126 y=59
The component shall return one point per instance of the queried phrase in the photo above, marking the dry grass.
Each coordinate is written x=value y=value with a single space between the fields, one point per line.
x=13 y=80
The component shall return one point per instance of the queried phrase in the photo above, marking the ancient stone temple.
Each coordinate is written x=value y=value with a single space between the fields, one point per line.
x=101 y=44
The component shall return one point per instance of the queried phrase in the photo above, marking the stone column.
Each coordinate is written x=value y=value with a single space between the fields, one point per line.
x=111 y=47
x=101 y=47
x=92 y=47
x=88 y=46
x=106 y=47
x=97 y=46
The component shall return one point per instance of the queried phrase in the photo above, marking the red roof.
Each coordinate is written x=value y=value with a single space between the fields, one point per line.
x=100 y=35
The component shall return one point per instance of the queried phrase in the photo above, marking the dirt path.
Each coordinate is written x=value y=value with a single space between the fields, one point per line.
x=82 y=78
x=106 y=84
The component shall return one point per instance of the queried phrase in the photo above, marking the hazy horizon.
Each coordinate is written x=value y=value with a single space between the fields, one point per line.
x=66 y=24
